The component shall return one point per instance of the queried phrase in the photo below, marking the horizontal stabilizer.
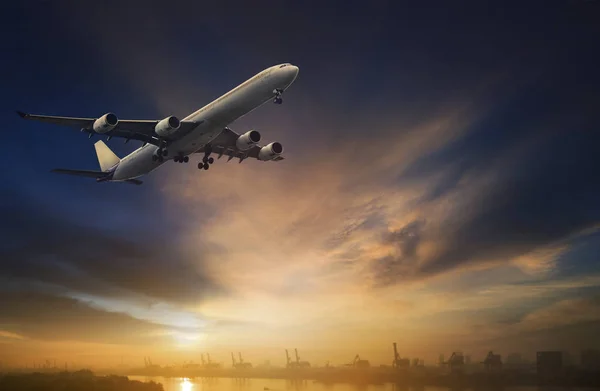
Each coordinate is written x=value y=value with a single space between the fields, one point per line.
x=87 y=173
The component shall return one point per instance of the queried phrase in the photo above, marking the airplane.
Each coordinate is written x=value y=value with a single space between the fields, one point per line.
x=205 y=131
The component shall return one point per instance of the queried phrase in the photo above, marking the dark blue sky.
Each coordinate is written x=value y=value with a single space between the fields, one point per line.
x=514 y=89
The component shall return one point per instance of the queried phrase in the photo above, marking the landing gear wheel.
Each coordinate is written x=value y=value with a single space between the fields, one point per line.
x=211 y=160
x=165 y=152
x=200 y=166
x=176 y=159
x=278 y=100
x=186 y=159
x=206 y=166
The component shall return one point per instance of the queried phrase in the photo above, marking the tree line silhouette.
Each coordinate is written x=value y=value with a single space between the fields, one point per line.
x=83 y=380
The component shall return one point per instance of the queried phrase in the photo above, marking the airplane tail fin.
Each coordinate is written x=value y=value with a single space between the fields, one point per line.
x=106 y=157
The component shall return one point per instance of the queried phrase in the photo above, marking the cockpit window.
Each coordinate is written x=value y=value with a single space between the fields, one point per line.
x=284 y=65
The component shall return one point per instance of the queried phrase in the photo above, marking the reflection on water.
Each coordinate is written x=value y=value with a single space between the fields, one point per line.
x=226 y=384
x=186 y=385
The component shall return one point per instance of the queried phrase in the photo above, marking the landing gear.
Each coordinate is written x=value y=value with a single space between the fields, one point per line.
x=160 y=154
x=181 y=159
x=206 y=160
x=162 y=148
x=278 y=99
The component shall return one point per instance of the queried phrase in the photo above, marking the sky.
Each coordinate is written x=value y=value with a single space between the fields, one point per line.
x=440 y=188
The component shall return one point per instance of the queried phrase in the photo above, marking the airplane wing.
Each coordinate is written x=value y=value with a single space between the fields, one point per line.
x=224 y=144
x=142 y=130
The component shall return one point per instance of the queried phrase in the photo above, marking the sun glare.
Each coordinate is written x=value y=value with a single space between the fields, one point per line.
x=186 y=385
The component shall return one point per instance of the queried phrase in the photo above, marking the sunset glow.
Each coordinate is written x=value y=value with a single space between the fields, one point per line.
x=433 y=194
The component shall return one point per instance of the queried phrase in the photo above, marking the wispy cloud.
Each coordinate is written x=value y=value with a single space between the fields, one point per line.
x=334 y=233
x=10 y=335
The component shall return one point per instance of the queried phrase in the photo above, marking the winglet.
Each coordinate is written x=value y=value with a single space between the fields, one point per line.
x=21 y=114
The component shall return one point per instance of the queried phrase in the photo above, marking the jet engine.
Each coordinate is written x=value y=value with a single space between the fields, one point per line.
x=247 y=140
x=167 y=127
x=106 y=123
x=270 y=151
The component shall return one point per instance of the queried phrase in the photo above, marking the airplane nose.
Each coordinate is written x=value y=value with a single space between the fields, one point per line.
x=293 y=72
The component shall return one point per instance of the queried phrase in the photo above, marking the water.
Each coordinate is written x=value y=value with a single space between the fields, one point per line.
x=227 y=384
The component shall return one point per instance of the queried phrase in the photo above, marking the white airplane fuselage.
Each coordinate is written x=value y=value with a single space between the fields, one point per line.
x=211 y=119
